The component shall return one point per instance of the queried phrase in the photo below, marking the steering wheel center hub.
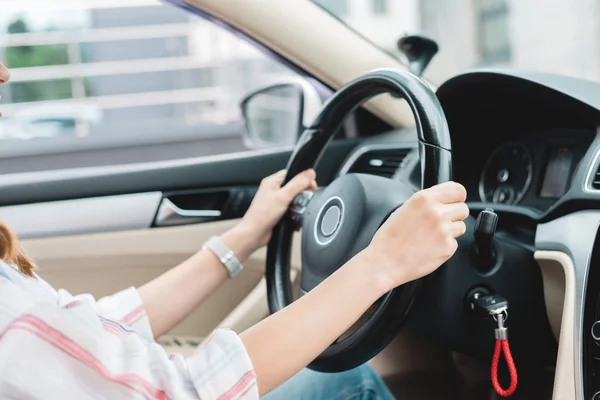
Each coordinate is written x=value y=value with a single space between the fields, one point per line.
x=329 y=220
x=330 y=230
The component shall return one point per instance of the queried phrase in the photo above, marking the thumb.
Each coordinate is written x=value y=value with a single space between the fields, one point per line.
x=300 y=182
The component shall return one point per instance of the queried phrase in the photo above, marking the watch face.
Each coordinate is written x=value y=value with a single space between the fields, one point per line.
x=225 y=255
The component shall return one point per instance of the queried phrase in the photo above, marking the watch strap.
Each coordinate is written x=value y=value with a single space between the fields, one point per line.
x=225 y=255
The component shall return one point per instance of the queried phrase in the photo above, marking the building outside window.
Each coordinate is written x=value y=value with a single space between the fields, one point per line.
x=379 y=7
x=494 y=34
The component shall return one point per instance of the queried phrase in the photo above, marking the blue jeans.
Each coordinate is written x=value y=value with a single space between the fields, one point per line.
x=361 y=383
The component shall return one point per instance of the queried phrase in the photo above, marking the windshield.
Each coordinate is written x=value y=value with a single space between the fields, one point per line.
x=484 y=33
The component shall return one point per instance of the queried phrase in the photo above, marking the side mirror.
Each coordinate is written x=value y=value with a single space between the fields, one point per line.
x=277 y=114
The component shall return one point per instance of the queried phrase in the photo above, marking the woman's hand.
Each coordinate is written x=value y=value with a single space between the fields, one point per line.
x=272 y=201
x=420 y=236
x=269 y=205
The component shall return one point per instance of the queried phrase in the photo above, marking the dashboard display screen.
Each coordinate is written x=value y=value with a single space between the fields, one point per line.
x=558 y=172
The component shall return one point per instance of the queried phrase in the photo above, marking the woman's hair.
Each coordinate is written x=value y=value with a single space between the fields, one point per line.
x=11 y=251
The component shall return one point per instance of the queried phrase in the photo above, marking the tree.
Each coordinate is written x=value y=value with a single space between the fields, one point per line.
x=36 y=56
x=17 y=26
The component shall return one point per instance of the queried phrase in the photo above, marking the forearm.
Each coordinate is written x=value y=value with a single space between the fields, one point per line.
x=171 y=297
x=305 y=328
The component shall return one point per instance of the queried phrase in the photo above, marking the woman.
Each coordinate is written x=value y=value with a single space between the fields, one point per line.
x=57 y=346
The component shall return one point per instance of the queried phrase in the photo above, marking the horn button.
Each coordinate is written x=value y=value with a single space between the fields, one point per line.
x=329 y=220
x=330 y=231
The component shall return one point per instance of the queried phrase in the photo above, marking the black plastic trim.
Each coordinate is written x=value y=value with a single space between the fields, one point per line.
x=204 y=172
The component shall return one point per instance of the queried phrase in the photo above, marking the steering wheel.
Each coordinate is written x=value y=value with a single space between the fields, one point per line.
x=339 y=220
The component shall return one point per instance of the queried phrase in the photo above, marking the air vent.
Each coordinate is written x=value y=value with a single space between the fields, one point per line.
x=596 y=179
x=382 y=162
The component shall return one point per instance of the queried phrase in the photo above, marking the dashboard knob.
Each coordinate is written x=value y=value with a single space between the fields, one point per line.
x=596 y=333
x=485 y=228
x=595 y=396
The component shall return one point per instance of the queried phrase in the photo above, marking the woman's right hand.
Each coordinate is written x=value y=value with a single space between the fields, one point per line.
x=419 y=236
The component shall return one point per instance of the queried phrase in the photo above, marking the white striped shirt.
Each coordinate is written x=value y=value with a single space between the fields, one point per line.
x=57 y=346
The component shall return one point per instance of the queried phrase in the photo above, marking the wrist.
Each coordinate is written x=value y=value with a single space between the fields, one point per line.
x=370 y=269
x=242 y=240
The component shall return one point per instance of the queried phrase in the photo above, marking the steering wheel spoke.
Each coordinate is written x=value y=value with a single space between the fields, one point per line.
x=299 y=205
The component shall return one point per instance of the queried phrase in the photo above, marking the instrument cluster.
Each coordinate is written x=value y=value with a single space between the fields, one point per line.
x=534 y=170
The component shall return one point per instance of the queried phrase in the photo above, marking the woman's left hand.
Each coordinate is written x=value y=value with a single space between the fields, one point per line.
x=272 y=201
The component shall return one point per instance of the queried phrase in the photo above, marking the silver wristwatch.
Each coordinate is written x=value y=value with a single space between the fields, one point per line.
x=225 y=255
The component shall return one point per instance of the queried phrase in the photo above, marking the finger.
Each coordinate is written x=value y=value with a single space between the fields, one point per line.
x=275 y=180
x=456 y=211
x=300 y=182
x=457 y=228
x=452 y=247
x=449 y=192
x=279 y=176
x=313 y=185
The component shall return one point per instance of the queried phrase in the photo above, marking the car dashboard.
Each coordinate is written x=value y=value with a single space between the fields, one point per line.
x=531 y=170
x=527 y=146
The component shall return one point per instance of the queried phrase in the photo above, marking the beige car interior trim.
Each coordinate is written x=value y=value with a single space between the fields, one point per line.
x=251 y=310
x=315 y=41
x=254 y=308
x=558 y=274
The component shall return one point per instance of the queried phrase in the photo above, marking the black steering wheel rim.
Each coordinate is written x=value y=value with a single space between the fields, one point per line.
x=436 y=167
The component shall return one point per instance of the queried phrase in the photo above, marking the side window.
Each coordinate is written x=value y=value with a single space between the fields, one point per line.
x=121 y=83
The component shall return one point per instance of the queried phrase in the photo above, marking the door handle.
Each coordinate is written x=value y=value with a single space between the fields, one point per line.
x=170 y=214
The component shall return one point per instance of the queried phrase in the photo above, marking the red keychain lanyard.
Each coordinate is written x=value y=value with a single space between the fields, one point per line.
x=496 y=306
x=502 y=347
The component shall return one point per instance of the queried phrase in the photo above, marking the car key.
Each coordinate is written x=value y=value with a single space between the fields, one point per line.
x=487 y=305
